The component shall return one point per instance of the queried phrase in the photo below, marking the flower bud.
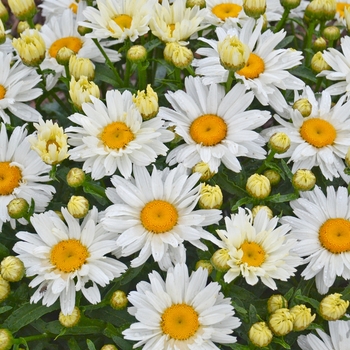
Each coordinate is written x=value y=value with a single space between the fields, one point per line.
x=304 y=180
x=260 y=334
x=136 y=54
x=75 y=177
x=146 y=102
x=257 y=208
x=82 y=30
x=78 y=206
x=322 y=10
x=22 y=9
x=204 y=169
x=12 y=269
x=347 y=18
x=22 y=26
x=332 y=307
x=2 y=33
x=258 y=186
x=63 y=55
x=109 y=347
x=290 y=4
x=302 y=317
x=318 y=63
x=4 y=15
x=304 y=106
x=233 y=53
x=319 y=44
x=192 y=3
x=254 y=8
x=6 y=339
x=81 y=90
x=331 y=33
x=17 y=208
x=279 y=142
x=80 y=66
x=273 y=176
x=281 y=322
x=275 y=302
x=70 y=320
x=210 y=197
x=4 y=289
x=219 y=260
x=119 y=300
x=180 y=56
x=205 y=264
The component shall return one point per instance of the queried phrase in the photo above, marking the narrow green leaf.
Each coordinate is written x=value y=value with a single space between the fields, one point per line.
x=242 y=201
x=90 y=344
x=311 y=301
x=123 y=344
x=3 y=309
x=289 y=294
x=281 y=342
x=252 y=314
x=282 y=198
x=4 y=252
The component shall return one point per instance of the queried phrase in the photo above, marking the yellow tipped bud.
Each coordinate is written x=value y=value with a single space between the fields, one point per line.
x=22 y=26
x=192 y=3
x=347 y=17
x=80 y=66
x=84 y=30
x=203 y=168
x=22 y=9
x=136 y=54
x=304 y=180
x=210 y=197
x=323 y=10
x=119 y=300
x=318 y=63
x=70 y=320
x=254 y=8
x=17 y=208
x=304 y=106
x=260 y=334
x=258 y=186
x=180 y=56
x=146 y=102
x=205 y=264
x=109 y=347
x=12 y=269
x=281 y=322
x=302 y=317
x=4 y=289
x=273 y=176
x=275 y=302
x=347 y=158
x=81 y=90
x=319 y=44
x=279 y=142
x=75 y=177
x=2 y=33
x=332 y=307
x=6 y=339
x=4 y=15
x=331 y=33
x=257 y=208
x=63 y=55
x=219 y=260
x=78 y=206
x=290 y=4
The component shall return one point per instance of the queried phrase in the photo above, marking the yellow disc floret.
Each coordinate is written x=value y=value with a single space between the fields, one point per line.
x=226 y=10
x=253 y=68
x=253 y=254
x=2 y=92
x=123 y=21
x=334 y=235
x=117 y=135
x=318 y=132
x=10 y=177
x=70 y=42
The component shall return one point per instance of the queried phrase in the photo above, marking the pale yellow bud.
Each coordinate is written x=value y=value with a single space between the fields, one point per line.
x=12 y=269
x=75 y=177
x=146 y=102
x=137 y=54
x=22 y=9
x=273 y=176
x=258 y=186
x=22 y=26
x=281 y=322
x=180 y=56
x=290 y=4
x=82 y=30
x=260 y=334
x=4 y=15
x=304 y=180
x=304 y=106
x=254 y=8
x=279 y=142
x=109 y=347
x=81 y=90
x=205 y=264
x=332 y=307
x=2 y=33
x=318 y=63
x=302 y=317
x=78 y=206
x=4 y=289
x=319 y=44
x=60 y=215
x=79 y=66
x=119 y=300
x=233 y=53
x=321 y=9
x=257 y=208
x=275 y=302
x=204 y=169
x=6 y=339
x=210 y=197
x=70 y=320
x=331 y=33
x=63 y=55
x=219 y=260
x=17 y=208
x=347 y=17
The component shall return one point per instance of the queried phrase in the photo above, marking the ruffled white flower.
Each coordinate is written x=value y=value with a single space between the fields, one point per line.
x=258 y=249
x=322 y=139
x=61 y=32
x=338 y=338
x=17 y=85
x=181 y=312
x=215 y=127
x=114 y=136
x=154 y=214
x=121 y=20
x=65 y=256
x=266 y=69
x=54 y=8
x=322 y=226
x=22 y=174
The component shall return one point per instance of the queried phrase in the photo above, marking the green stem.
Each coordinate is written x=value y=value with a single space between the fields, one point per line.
x=127 y=73
x=142 y=76
x=24 y=340
x=308 y=51
x=231 y=76
x=282 y=21
x=263 y=166
x=191 y=71
x=30 y=22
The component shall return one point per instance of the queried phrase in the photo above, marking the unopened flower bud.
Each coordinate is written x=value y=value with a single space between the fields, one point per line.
x=136 y=54
x=146 y=102
x=304 y=106
x=17 y=208
x=80 y=66
x=304 y=180
x=254 y=8
x=4 y=289
x=205 y=264
x=84 y=30
x=2 y=33
x=302 y=317
x=204 y=169
x=4 y=15
x=290 y=4
x=63 y=55
x=275 y=302
x=119 y=300
x=319 y=44
x=70 y=320
x=219 y=260
x=331 y=33
x=258 y=186
x=12 y=269
x=324 y=10
x=318 y=63
x=81 y=90
x=22 y=9
x=273 y=176
x=260 y=334
x=332 y=307
x=75 y=177
x=78 y=206
x=281 y=322
x=210 y=197
x=109 y=347
x=279 y=142
x=192 y=3
x=6 y=339
x=347 y=17
x=257 y=208
x=180 y=56
x=22 y=26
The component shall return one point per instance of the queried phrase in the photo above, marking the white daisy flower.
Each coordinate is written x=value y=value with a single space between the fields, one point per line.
x=61 y=32
x=54 y=8
x=154 y=214
x=22 y=174
x=340 y=14
x=340 y=63
x=215 y=127
x=322 y=139
x=114 y=136
x=338 y=338
x=176 y=22
x=258 y=249
x=121 y=20
x=322 y=226
x=66 y=256
x=266 y=69
x=17 y=85
x=181 y=312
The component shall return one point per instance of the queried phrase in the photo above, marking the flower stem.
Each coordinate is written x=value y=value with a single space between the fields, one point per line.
x=282 y=21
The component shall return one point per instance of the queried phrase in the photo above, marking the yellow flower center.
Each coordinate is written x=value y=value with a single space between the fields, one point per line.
x=159 y=216
x=318 y=132
x=69 y=255
x=74 y=7
x=341 y=6
x=2 y=92
x=180 y=321
x=123 y=21
x=10 y=177
x=117 y=135
x=334 y=235
x=253 y=254
x=226 y=10
x=52 y=142
x=71 y=42
x=171 y=28
x=253 y=68
x=208 y=129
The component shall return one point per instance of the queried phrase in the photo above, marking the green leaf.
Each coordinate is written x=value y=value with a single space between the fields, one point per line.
x=289 y=294
x=4 y=252
x=282 y=198
x=152 y=44
x=304 y=73
x=315 y=303
x=280 y=341
x=285 y=42
x=287 y=170
x=3 y=309
x=90 y=344
x=252 y=314
x=242 y=201
x=123 y=344
x=229 y=186
x=130 y=274
x=72 y=344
